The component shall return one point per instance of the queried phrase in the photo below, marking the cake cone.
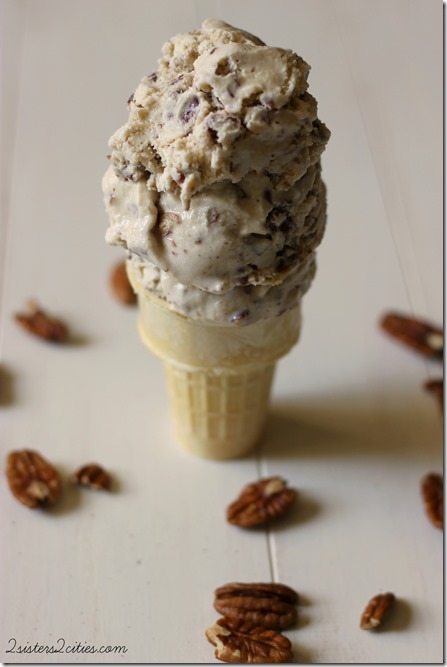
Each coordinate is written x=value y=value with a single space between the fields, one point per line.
x=218 y=376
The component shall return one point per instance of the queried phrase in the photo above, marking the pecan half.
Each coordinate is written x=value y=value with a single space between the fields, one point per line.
x=32 y=480
x=261 y=502
x=237 y=641
x=432 y=489
x=377 y=610
x=266 y=605
x=92 y=476
x=121 y=287
x=436 y=387
x=37 y=322
x=421 y=336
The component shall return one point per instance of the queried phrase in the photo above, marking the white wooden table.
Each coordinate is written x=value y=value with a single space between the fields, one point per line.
x=350 y=426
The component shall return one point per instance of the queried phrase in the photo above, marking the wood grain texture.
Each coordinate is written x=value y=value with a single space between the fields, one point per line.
x=350 y=425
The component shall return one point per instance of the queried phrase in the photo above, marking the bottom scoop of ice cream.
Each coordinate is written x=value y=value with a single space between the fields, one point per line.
x=230 y=235
x=239 y=306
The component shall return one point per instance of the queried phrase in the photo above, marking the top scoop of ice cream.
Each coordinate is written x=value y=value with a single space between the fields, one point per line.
x=220 y=105
x=215 y=177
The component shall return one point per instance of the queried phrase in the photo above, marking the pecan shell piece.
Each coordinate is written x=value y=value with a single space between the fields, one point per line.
x=419 y=335
x=432 y=489
x=38 y=323
x=261 y=502
x=93 y=476
x=269 y=606
x=238 y=641
x=32 y=480
x=377 y=610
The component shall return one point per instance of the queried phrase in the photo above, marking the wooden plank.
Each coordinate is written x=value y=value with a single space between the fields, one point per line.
x=100 y=570
x=395 y=56
x=357 y=432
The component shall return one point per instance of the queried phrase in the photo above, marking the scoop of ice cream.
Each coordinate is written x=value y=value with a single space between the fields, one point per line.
x=228 y=236
x=215 y=179
x=220 y=105
x=241 y=305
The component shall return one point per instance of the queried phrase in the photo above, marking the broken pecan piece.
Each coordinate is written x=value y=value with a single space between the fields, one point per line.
x=377 y=610
x=32 y=480
x=269 y=606
x=436 y=387
x=37 y=322
x=419 y=335
x=92 y=476
x=238 y=641
x=167 y=223
x=432 y=489
x=121 y=287
x=261 y=502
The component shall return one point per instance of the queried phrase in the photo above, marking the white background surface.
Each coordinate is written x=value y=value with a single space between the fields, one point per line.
x=350 y=426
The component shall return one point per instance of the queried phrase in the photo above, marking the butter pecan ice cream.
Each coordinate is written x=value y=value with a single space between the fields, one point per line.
x=215 y=183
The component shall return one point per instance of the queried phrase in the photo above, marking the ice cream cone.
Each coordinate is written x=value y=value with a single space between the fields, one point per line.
x=218 y=377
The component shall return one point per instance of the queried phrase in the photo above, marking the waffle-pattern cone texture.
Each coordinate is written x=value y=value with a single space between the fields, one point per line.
x=218 y=377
